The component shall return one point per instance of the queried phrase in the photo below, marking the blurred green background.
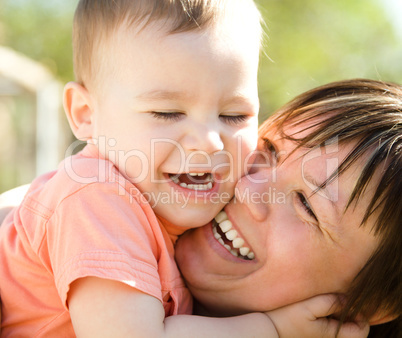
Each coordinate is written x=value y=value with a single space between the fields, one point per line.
x=308 y=43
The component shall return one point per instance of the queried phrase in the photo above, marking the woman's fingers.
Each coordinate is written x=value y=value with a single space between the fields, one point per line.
x=323 y=306
x=314 y=318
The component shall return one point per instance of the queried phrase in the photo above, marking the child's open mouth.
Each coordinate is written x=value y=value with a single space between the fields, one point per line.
x=193 y=181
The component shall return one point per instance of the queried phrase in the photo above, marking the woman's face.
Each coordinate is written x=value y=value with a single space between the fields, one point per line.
x=304 y=244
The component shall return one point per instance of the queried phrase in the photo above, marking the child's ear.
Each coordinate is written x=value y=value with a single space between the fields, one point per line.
x=79 y=110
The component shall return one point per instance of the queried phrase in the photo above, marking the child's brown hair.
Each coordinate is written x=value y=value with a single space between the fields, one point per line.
x=96 y=20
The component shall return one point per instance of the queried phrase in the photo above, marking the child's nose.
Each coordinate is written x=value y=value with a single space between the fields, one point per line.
x=203 y=138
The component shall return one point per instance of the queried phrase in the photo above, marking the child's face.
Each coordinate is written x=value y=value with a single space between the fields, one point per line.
x=170 y=105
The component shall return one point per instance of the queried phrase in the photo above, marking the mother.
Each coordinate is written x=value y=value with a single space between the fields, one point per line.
x=322 y=215
x=320 y=212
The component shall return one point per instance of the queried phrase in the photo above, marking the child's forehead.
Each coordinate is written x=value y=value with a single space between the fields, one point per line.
x=222 y=34
x=240 y=17
x=225 y=33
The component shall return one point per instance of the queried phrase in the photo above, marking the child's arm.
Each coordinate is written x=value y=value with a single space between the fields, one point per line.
x=105 y=308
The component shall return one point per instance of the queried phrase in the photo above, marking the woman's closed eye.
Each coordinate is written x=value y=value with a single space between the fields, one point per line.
x=167 y=115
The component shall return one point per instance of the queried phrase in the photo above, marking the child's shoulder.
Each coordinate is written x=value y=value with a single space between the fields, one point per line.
x=74 y=175
x=81 y=170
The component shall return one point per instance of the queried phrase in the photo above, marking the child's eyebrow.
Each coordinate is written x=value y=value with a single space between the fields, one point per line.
x=237 y=99
x=168 y=95
x=161 y=95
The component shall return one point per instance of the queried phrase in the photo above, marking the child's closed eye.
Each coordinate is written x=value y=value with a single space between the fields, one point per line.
x=233 y=119
x=167 y=115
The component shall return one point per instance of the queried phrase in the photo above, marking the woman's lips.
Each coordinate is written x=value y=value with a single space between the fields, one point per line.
x=229 y=238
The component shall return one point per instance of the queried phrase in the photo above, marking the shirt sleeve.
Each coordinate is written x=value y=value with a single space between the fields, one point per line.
x=102 y=231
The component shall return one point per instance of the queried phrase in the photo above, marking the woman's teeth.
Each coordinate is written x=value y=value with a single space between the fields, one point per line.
x=237 y=247
x=193 y=181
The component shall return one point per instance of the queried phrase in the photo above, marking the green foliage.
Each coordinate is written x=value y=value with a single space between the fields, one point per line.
x=40 y=30
x=312 y=42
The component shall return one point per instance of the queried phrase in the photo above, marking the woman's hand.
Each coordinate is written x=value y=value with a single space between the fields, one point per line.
x=311 y=318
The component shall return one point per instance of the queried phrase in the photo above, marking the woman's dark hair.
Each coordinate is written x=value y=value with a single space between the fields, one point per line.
x=368 y=113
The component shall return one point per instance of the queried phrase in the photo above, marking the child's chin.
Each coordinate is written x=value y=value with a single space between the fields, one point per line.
x=189 y=222
x=192 y=220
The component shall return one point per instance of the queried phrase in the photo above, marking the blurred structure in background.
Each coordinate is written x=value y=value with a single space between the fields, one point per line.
x=32 y=140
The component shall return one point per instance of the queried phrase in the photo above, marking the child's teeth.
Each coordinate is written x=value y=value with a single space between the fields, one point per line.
x=196 y=174
x=237 y=247
x=198 y=187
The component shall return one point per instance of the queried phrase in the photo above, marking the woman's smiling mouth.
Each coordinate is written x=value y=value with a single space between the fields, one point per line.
x=224 y=233
x=193 y=181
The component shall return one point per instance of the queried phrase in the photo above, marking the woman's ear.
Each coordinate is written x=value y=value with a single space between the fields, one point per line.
x=79 y=108
x=381 y=318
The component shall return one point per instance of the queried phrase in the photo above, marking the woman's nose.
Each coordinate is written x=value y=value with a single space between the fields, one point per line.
x=254 y=190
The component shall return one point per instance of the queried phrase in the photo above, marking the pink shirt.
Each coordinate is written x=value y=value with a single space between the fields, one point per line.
x=83 y=220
